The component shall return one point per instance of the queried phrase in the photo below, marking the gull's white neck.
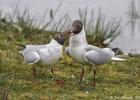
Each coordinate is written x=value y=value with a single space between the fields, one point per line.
x=78 y=39
x=54 y=42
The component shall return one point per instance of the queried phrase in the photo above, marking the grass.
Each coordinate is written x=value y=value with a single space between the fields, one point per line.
x=99 y=29
x=132 y=11
x=133 y=15
x=114 y=80
x=21 y=25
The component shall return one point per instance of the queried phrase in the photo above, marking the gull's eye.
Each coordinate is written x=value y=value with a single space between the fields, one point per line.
x=60 y=36
x=79 y=25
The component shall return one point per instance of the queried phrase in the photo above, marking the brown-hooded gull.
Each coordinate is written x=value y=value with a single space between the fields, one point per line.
x=49 y=53
x=85 y=53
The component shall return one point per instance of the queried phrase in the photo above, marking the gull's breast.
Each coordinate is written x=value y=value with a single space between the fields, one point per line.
x=77 y=53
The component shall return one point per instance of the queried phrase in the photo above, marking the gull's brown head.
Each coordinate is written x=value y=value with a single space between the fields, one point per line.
x=77 y=27
x=61 y=37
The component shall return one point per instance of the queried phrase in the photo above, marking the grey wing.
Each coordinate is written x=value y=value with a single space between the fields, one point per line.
x=31 y=57
x=109 y=52
x=35 y=47
x=92 y=47
x=96 y=58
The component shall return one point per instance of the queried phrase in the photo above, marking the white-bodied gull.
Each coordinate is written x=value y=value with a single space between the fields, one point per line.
x=85 y=53
x=49 y=53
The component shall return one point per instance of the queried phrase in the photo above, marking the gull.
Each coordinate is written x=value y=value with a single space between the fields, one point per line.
x=85 y=53
x=49 y=54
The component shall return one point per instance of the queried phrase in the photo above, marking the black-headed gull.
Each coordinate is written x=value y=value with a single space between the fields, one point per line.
x=49 y=53
x=85 y=53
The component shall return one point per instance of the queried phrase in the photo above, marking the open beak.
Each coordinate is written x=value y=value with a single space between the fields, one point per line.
x=70 y=29
x=71 y=34
x=67 y=33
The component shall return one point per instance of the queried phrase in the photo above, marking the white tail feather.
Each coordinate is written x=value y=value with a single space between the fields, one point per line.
x=117 y=59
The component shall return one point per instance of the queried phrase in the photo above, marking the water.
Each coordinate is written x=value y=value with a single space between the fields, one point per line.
x=128 y=41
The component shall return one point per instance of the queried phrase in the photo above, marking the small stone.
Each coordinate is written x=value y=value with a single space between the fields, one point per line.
x=73 y=76
x=86 y=92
